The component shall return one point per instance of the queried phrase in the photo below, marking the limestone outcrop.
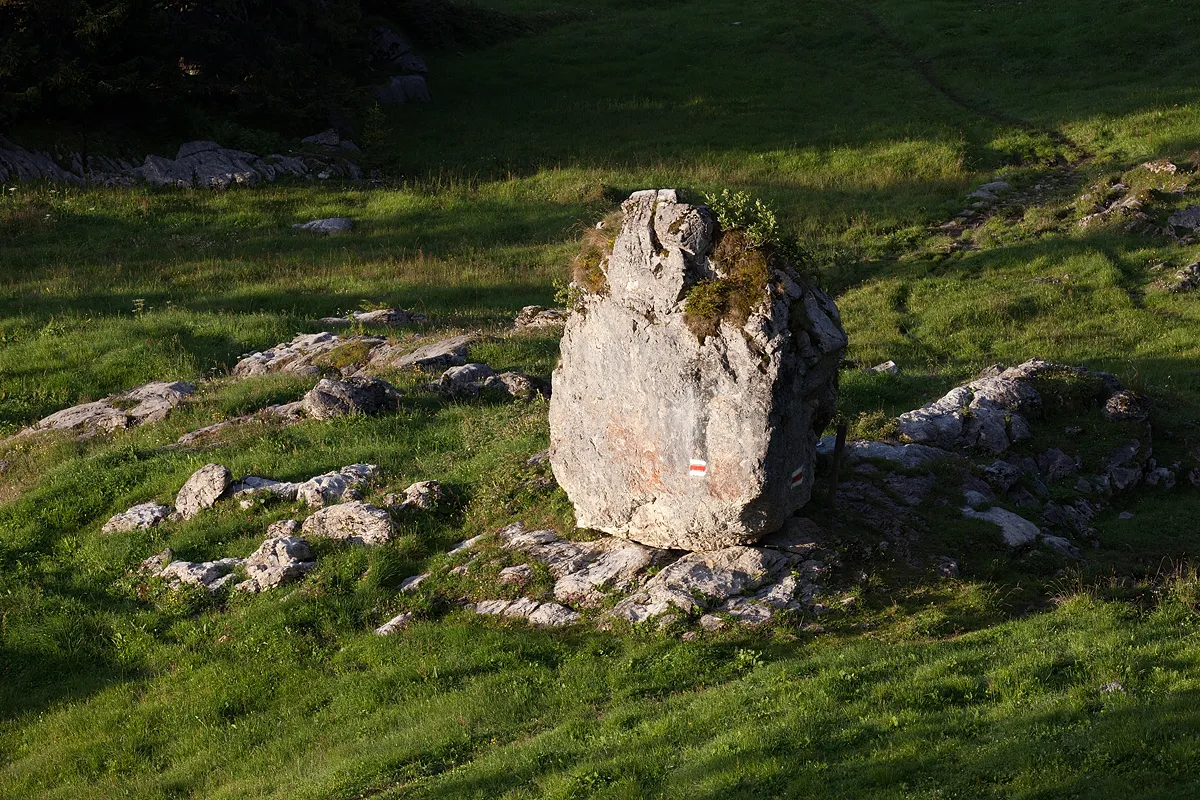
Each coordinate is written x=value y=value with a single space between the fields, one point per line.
x=677 y=440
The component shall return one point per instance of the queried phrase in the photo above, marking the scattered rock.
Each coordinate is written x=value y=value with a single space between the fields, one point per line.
x=1188 y=219
x=552 y=615
x=909 y=456
x=327 y=226
x=278 y=560
x=518 y=575
x=947 y=567
x=335 y=486
x=700 y=579
x=155 y=564
x=330 y=398
x=886 y=368
x=912 y=489
x=516 y=385
x=1125 y=515
x=1161 y=167
x=151 y=402
x=145 y=515
x=711 y=622
x=395 y=624
x=286 y=413
x=1127 y=406
x=423 y=495
x=799 y=536
x=354 y=521
x=390 y=317
x=440 y=355
x=466 y=379
x=1186 y=279
x=211 y=575
x=665 y=439
x=413 y=583
x=202 y=490
x=1016 y=530
x=990 y=191
x=539 y=317
x=297 y=356
x=251 y=489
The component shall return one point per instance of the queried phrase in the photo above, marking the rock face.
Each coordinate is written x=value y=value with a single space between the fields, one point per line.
x=202 y=490
x=675 y=442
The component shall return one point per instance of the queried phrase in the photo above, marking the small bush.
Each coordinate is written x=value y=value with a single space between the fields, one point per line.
x=746 y=262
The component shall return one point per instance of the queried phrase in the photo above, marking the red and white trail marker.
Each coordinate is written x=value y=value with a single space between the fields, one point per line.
x=797 y=477
x=698 y=468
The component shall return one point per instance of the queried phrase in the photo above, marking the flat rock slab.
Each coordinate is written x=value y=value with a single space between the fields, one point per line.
x=211 y=575
x=145 y=515
x=330 y=225
x=390 y=317
x=151 y=402
x=298 y=356
x=674 y=442
x=548 y=615
x=355 y=522
x=439 y=355
x=700 y=580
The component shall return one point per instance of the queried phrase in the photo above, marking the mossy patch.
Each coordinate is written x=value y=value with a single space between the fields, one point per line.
x=587 y=269
x=345 y=355
x=734 y=297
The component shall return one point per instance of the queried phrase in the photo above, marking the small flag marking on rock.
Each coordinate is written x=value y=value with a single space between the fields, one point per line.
x=698 y=468
x=797 y=477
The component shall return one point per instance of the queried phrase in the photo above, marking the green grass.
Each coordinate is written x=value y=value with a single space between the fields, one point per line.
x=863 y=132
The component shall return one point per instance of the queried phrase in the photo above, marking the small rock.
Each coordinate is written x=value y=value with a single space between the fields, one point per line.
x=423 y=495
x=517 y=575
x=1161 y=167
x=411 y=584
x=711 y=622
x=338 y=398
x=335 y=486
x=1188 y=219
x=278 y=560
x=466 y=379
x=209 y=574
x=1113 y=687
x=538 y=317
x=442 y=354
x=1016 y=530
x=466 y=544
x=1125 y=515
x=1127 y=406
x=155 y=564
x=355 y=521
x=975 y=499
x=947 y=567
x=690 y=636
x=145 y=515
x=887 y=367
x=202 y=490
x=326 y=138
x=553 y=615
x=395 y=624
x=327 y=226
x=799 y=536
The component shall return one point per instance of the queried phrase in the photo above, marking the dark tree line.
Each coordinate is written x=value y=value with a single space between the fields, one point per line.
x=275 y=62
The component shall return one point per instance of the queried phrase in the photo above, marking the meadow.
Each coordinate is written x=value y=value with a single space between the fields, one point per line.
x=865 y=125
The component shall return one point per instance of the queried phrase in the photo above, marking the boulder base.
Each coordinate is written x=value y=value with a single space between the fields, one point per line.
x=677 y=442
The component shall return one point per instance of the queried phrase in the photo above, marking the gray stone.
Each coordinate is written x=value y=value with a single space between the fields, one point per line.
x=208 y=574
x=151 y=402
x=552 y=615
x=947 y=567
x=413 y=583
x=202 y=490
x=332 y=398
x=327 y=226
x=250 y=490
x=145 y=515
x=517 y=575
x=1188 y=219
x=673 y=442
x=886 y=368
x=909 y=456
x=440 y=355
x=1016 y=530
x=326 y=138
x=912 y=489
x=422 y=494
x=390 y=317
x=155 y=564
x=799 y=536
x=1127 y=406
x=1186 y=279
x=278 y=560
x=975 y=499
x=464 y=380
x=516 y=385
x=700 y=580
x=711 y=622
x=532 y=317
x=297 y=355
x=335 y=486
x=1055 y=465
x=355 y=522
x=395 y=624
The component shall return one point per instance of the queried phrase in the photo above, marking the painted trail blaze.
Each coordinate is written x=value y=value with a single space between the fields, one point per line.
x=797 y=477
x=698 y=468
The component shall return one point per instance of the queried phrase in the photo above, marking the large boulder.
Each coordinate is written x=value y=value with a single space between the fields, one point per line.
x=679 y=440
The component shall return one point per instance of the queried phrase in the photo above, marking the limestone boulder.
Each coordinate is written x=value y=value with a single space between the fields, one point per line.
x=339 y=398
x=278 y=560
x=677 y=441
x=355 y=521
x=202 y=490
x=144 y=515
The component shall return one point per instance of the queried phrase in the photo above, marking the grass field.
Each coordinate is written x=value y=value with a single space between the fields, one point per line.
x=864 y=124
